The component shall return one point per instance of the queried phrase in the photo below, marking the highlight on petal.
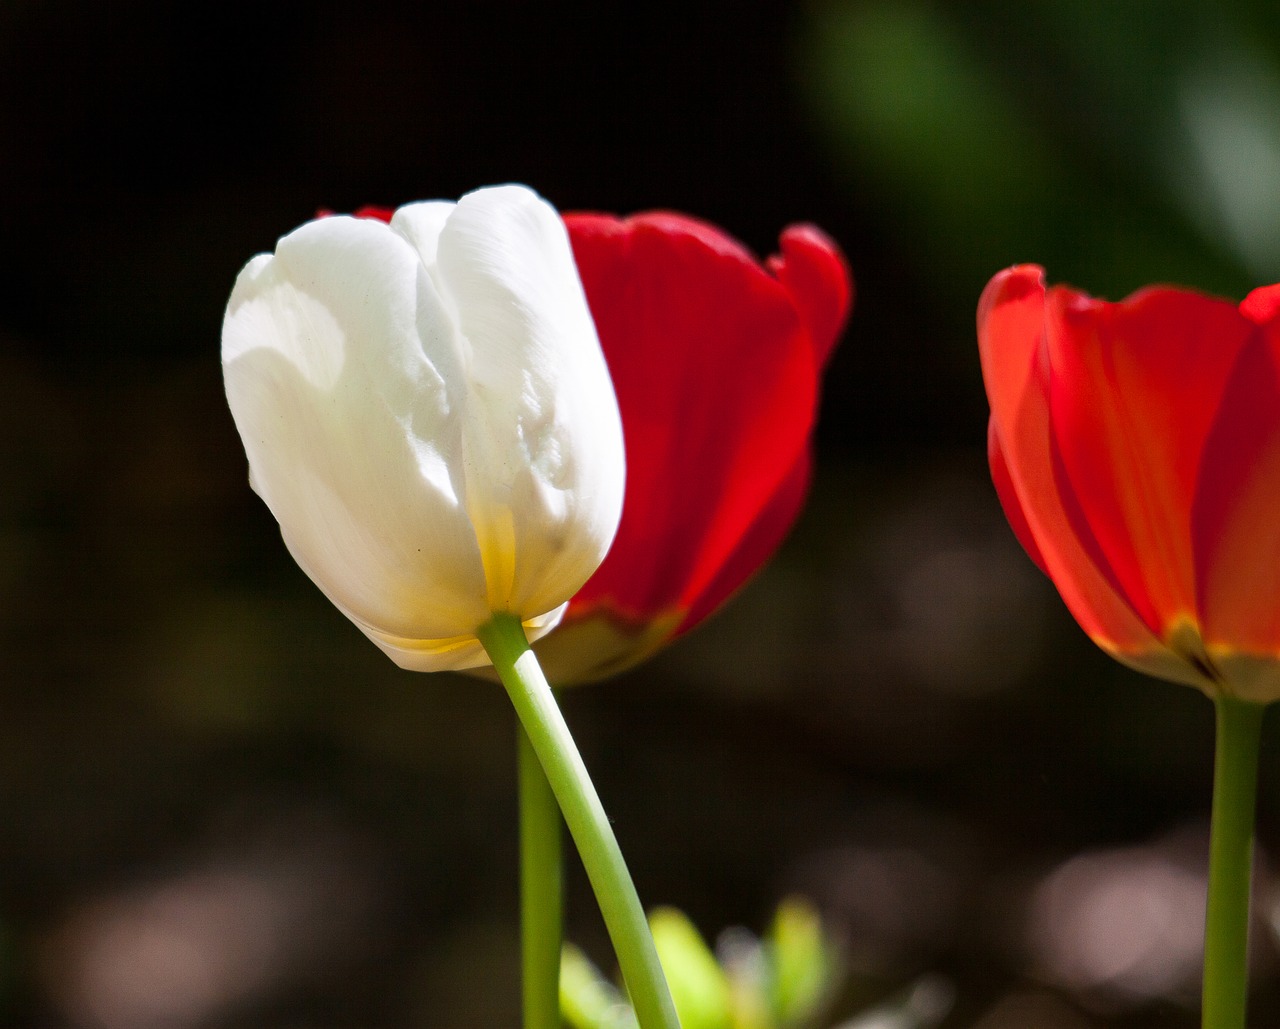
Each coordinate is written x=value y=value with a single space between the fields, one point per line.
x=420 y=224
x=1262 y=305
x=427 y=413
x=542 y=442
x=356 y=464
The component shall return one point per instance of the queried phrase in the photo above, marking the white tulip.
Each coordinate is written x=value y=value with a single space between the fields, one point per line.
x=428 y=415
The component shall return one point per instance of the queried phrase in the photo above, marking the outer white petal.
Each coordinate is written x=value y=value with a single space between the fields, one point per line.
x=542 y=438
x=421 y=224
x=460 y=653
x=344 y=381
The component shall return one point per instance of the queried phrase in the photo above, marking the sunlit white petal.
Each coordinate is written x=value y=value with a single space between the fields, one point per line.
x=427 y=414
x=543 y=447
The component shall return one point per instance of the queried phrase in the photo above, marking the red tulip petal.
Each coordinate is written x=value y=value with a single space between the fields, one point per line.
x=1008 y=495
x=1236 y=518
x=1135 y=388
x=756 y=547
x=1011 y=338
x=717 y=383
x=813 y=270
x=1262 y=305
x=382 y=214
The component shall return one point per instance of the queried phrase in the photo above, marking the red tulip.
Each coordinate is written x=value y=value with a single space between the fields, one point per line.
x=1135 y=447
x=716 y=361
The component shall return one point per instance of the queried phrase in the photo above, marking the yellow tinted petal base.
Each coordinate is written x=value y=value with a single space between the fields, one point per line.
x=597 y=646
x=454 y=654
x=1214 y=669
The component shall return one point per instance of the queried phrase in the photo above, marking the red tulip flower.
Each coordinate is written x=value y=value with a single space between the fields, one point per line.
x=1135 y=447
x=716 y=360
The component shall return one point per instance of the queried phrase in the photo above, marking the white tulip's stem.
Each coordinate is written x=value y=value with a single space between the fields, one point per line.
x=541 y=890
x=504 y=640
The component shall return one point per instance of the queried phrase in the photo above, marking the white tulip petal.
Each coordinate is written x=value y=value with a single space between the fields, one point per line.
x=542 y=438
x=459 y=653
x=341 y=375
x=428 y=415
x=421 y=224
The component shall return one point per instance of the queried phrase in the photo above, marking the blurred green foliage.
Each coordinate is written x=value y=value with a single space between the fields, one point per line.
x=779 y=982
x=785 y=980
x=1117 y=144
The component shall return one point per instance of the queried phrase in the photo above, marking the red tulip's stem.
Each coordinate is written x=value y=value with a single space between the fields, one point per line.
x=1226 y=932
x=504 y=640
x=541 y=890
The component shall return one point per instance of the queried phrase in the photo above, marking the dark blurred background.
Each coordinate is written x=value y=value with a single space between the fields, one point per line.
x=221 y=807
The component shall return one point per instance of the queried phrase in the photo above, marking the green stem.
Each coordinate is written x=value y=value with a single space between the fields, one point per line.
x=541 y=890
x=1226 y=931
x=504 y=640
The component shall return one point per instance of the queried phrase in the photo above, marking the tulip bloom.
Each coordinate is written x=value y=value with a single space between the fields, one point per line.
x=427 y=413
x=1135 y=447
x=716 y=361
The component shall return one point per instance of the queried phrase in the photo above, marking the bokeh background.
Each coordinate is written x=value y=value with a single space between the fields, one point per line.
x=221 y=807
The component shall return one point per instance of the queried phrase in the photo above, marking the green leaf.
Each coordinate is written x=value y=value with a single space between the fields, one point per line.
x=803 y=963
x=587 y=999
x=698 y=986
